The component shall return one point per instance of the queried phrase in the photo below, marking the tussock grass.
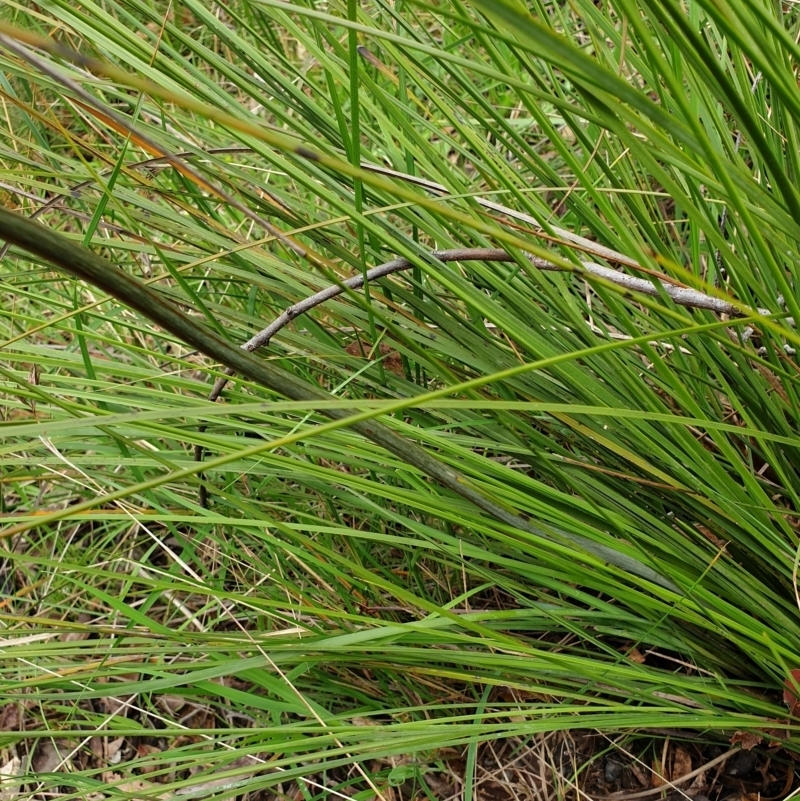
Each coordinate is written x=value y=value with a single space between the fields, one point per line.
x=336 y=616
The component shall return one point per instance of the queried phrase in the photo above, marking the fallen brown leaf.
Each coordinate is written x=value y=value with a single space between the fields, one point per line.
x=10 y=717
x=790 y=691
x=746 y=739
x=681 y=763
x=390 y=358
x=51 y=756
x=8 y=773
x=657 y=776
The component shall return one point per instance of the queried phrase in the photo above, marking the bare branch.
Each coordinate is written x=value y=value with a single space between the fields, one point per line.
x=683 y=296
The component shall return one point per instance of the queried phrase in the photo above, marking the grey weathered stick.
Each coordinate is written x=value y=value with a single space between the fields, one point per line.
x=683 y=296
x=86 y=265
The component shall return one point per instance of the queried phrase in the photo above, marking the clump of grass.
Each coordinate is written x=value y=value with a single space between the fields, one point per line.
x=565 y=503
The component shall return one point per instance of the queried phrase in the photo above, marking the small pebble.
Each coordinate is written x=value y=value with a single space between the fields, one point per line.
x=612 y=769
x=741 y=763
